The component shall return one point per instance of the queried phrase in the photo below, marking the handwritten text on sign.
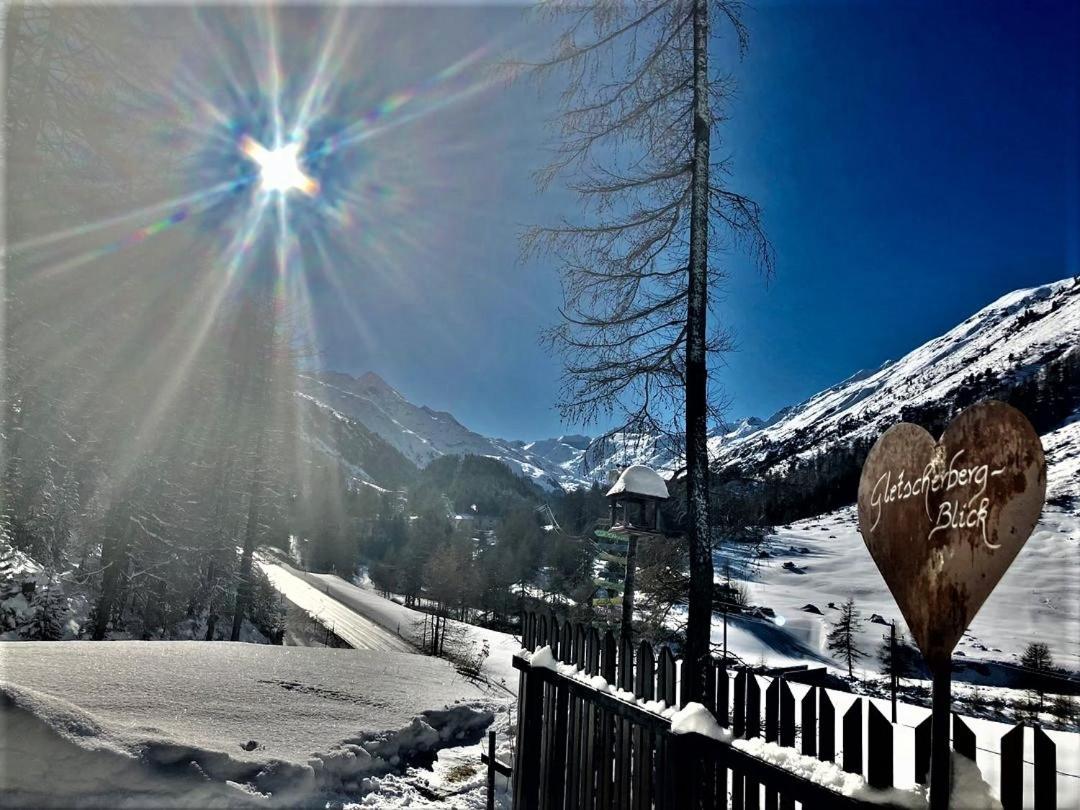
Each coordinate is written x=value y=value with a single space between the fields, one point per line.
x=955 y=513
x=943 y=519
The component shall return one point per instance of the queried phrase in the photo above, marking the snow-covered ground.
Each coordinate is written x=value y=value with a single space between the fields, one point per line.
x=1038 y=599
x=200 y=724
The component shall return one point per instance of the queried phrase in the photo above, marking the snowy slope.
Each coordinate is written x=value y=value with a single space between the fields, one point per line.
x=1012 y=336
x=1038 y=599
x=199 y=724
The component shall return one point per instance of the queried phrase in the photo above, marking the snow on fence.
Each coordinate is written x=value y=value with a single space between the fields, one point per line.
x=595 y=729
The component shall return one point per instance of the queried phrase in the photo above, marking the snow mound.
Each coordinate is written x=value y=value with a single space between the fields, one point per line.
x=694 y=718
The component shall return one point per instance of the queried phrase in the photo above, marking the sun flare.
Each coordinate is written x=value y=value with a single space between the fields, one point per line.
x=279 y=169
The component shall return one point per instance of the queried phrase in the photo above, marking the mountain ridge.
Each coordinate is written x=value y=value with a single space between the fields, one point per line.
x=1014 y=335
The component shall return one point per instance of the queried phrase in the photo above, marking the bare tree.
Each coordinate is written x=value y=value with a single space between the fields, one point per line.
x=639 y=110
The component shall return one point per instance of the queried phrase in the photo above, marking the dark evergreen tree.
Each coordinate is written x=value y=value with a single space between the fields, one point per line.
x=842 y=640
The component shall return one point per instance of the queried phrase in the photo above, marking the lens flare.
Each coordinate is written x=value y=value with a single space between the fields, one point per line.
x=279 y=169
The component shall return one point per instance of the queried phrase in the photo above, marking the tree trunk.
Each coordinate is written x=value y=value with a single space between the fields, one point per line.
x=699 y=619
x=113 y=552
x=243 y=585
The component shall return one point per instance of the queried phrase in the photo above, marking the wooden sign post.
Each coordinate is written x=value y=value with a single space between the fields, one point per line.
x=943 y=521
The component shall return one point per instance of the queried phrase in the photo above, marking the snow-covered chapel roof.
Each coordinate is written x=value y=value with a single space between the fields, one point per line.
x=640 y=480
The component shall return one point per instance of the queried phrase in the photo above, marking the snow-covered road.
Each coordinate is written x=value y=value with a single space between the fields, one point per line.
x=354 y=629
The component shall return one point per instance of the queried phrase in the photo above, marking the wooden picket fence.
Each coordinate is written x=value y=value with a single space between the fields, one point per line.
x=580 y=747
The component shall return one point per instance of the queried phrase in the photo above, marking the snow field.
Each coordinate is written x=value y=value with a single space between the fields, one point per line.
x=197 y=724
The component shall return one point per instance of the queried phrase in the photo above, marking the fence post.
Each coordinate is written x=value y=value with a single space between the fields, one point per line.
x=772 y=709
x=643 y=738
x=1045 y=771
x=723 y=688
x=738 y=720
x=491 y=771
x=1012 y=769
x=623 y=740
x=827 y=729
x=940 y=766
x=558 y=699
x=530 y=728
x=608 y=670
x=963 y=738
x=809 y=722
x=923 y=736
x=879 y=753
x=772 y=717
x=753 y=706
x=753 y=729
x=852 y=732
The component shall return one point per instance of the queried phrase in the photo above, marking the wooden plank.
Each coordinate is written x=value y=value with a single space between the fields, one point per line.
x=772 y=726
x=723 y=695
x=772 y=710
x=624 y=740
x=753 y=707
x=1045 y=771
x=547 y=745
x=963 y=737
x=559 y=749
x=580 y=770
x=666 y=677
x=589 y=785
x=751 y=797
x=527 y=763
x=852 y=735
x=809 y=722
x=500 y=766
x=787 y=715
x=491 y=771
x=879 y=749
x=738 y=720
x=645 y=688
x=592 y=652
x=923 y=736
x=708 y=699
x=786 y=736
x=826 y=728
x=609 y=662
x=570 y=785
x=1012 y=769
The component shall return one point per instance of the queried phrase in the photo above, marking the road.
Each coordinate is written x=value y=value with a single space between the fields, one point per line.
x=352 y=628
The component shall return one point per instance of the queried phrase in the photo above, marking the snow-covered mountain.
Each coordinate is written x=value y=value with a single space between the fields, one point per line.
x=1011 y=338
x=421 y=433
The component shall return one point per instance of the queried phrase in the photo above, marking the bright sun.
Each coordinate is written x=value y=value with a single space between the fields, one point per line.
x=279 y=169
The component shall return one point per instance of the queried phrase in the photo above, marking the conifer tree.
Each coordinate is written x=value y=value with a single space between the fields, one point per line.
x=842 y=641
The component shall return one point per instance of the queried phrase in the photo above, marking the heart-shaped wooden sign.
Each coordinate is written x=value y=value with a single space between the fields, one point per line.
x=944 y=520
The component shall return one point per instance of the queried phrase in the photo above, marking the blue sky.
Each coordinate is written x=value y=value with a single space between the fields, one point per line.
x=914 y=162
